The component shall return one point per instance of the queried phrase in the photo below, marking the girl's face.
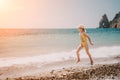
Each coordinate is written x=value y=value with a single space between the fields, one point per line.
x=80 y=30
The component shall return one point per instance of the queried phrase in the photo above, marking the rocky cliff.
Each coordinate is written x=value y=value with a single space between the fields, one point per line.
x=115 y=23
x=105 y=23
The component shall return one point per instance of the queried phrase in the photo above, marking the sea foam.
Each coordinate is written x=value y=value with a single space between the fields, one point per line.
x=61 y=56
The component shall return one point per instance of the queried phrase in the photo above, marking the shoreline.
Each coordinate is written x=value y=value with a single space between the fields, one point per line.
x=103 y=68
x=105 y=71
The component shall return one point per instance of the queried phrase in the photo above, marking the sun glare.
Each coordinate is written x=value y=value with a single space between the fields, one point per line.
x=2 y=3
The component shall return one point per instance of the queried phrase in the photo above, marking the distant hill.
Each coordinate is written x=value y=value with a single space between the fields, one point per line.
x=105 y=23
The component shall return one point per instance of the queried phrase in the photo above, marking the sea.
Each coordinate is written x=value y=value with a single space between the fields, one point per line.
x=24 y=46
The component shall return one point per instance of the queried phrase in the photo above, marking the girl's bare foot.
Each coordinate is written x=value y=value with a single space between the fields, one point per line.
x=91 y=62
x=78 y=61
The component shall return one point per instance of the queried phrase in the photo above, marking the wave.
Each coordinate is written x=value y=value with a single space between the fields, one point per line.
x=61 y=56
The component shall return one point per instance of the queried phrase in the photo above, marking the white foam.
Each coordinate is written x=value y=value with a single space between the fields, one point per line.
x=53 y=57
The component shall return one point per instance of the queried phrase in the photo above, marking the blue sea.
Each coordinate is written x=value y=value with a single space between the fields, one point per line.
x=22 y=46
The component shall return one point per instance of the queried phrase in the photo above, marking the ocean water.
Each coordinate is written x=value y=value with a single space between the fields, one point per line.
x=22 y=46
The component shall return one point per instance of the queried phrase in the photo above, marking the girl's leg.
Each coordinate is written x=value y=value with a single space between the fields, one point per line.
x=88 y=53
x=78 y=56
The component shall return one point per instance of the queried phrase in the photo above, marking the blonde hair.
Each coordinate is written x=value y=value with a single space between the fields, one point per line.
x=82 y=27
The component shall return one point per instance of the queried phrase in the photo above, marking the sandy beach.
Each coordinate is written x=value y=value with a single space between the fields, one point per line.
x=103 y=68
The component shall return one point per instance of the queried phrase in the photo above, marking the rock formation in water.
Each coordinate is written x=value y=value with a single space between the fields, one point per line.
x=105 y=23
x=115 y=23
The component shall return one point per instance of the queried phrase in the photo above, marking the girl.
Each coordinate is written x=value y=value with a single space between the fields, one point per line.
x=84 y=43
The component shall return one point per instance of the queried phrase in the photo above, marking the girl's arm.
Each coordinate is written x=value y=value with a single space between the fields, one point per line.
x=88 y=38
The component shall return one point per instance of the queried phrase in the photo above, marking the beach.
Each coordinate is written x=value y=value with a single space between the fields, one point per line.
x=50 y=54
x=59 y=39
x=103 y=68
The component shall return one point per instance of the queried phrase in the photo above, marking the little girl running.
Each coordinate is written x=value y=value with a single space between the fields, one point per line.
x=84 y=44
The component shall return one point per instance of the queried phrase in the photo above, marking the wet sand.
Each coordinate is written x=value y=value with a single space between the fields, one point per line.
x=103 y=68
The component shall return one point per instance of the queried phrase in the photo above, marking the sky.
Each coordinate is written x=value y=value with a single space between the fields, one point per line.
x=55 y=13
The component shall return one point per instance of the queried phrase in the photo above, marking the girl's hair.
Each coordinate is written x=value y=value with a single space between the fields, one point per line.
x=81 y=27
